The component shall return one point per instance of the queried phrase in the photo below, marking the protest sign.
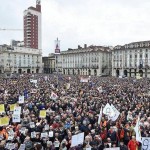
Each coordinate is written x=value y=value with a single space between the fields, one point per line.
x=51 y=134
x=33 y=134
x=88 y=148
x=15 y=118
x=68 y=86
x=4 y=121
x=46 y=127
x=17 y=110
x=32 y=125
x=21 y=100
x=84 y=80
x=42 y=114
x=10 y=146
x=44 y=135
x=77 y=139
x=2 y=109
x=12 y=106
x=145 y=143
x=22 y=147
x=56 y=143
x=33 y=81
x=113 y=148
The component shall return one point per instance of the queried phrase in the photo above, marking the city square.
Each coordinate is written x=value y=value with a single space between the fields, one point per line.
x=92 y=97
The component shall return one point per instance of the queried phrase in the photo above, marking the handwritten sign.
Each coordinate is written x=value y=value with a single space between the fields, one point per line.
x=145 y=143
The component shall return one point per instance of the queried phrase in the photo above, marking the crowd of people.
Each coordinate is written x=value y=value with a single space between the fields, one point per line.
x=75 y=110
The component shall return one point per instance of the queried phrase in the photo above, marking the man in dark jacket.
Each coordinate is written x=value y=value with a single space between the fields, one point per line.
x=123 y=146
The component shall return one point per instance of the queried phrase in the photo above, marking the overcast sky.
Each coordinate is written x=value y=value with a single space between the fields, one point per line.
x=79 y=22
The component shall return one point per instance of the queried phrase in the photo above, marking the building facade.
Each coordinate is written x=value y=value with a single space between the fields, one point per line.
x=131 y=59
x=92 y=60
x=32 y=27
x=20 y=60
x=49 y=64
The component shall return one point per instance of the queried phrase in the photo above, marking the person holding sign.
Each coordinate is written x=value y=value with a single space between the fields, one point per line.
x=133 y=144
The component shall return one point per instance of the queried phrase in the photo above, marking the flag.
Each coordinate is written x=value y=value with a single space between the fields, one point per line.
x=116 y=113
x=137 y=130
x=111 y=112
x=100 y=116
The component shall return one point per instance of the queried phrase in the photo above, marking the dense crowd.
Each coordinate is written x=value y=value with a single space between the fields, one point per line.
x=74 y=111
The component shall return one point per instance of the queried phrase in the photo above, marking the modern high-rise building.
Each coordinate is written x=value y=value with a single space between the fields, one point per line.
x=32 y=26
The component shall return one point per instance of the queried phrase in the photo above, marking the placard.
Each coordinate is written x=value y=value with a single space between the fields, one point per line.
x=113 y=148
x=44 y=135
x=12 y=106
x=51 y=134
x=56 y=143
x=22 y=147
x=21 y=100
x=42 y=114
x=77 y=139
x=17 y=110
x=4 y=121
x=15 y=118
x=2 y=109
x=10 y=146
x=33 y=134
x=32 y=125
x=46 y=127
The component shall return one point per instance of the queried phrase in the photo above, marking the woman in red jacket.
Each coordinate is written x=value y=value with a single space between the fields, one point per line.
x=133 y=144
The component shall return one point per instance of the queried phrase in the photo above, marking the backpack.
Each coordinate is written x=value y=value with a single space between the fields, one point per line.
x=122 y=134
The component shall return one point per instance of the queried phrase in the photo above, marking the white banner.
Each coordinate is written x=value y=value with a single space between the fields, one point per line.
x=112 y=148
x=33 y=81
x=77 y=139
x=17 y=110
x=15 y=118
x=21 y=100
x=145 y=143
x=137 y=131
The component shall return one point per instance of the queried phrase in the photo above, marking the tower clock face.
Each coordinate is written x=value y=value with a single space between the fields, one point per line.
x=38 y=2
